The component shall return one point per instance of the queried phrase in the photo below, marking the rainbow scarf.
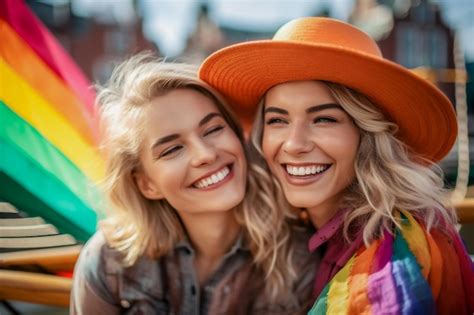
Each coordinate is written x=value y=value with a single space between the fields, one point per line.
x=49 y=161
x=409 y=272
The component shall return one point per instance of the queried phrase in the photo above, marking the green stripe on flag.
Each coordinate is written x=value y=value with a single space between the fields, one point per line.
x=26 y=139
x=48 y=189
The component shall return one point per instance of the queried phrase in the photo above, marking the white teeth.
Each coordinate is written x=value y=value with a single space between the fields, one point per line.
x=301 y=171
x=306 y=170
x=213 y=179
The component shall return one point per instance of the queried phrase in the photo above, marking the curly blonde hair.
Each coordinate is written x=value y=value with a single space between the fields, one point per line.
x=389 y=176
x=138 y=226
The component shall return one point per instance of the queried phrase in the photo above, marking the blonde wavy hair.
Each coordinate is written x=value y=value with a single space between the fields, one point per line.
x=138 y=226
x=388 y=175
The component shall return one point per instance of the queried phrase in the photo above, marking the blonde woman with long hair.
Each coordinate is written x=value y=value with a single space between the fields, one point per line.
x=192 y=228
x=354 y=139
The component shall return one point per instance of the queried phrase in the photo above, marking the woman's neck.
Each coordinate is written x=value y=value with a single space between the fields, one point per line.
x=322 y=213
x=212 y=234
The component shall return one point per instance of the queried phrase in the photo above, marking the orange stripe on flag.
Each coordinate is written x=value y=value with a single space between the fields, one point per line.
x=358 y=298
x=31 y=68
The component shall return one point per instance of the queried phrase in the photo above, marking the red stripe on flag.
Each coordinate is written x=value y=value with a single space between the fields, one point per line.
x=27 y=25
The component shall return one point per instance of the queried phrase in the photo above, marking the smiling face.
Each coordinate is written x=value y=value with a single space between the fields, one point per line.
x=191 y=157
x=310 y=144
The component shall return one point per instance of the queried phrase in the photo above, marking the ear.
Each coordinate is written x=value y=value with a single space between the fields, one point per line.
x=146 y=186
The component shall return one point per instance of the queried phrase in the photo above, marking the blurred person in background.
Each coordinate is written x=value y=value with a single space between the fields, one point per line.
x=192 y=228
x=353 y=139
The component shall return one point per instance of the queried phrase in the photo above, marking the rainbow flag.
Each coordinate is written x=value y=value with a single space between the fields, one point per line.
x=408 y=272
x=49 y=162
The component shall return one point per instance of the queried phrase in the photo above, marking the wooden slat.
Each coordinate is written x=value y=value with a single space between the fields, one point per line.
x=7 y=207
x=34 y=288
x=37 y=242
x=51 y=259
x=28 y=230
x=21 y=221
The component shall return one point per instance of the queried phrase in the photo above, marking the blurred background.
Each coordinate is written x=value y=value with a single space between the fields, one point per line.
x=434 y=38
x=424 y=35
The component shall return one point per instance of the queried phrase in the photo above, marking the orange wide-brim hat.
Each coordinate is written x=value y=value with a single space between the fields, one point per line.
x=317 y=48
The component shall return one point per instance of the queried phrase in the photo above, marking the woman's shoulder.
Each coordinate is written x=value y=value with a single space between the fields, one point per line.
x=451 y=269
x=96 y=244
x=101 y=272
x=99 y=255
x=96 y=269
x=98 y=263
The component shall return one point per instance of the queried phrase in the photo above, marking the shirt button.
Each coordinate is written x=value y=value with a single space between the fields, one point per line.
x=125 y=303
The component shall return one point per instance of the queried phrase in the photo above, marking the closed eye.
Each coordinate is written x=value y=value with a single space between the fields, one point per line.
x=170 y=151
x=213 y=130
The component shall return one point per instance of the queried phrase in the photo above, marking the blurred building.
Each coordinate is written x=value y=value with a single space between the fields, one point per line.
x=97 y=40
x=415 y=35
x=98 y=34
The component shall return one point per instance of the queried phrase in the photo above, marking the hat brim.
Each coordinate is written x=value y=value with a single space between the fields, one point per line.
x=424 y=115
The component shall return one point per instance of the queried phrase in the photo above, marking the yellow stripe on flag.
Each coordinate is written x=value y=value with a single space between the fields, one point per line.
x=338 y=294
x=28 y=104
x=416 y=240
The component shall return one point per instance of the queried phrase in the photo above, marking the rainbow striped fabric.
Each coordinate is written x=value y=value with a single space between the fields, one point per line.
x=48 y=139
x=409 y=272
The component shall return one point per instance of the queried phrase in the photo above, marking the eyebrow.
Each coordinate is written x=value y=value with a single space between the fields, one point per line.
x=310 y=110
x=164 y=140
x=208 y=118
x=275 y=110
x=321 y=107
x=175 y=136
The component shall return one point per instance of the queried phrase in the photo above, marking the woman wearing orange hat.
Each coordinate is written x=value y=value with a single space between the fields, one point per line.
x=353 y=140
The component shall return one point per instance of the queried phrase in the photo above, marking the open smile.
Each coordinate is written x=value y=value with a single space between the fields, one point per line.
x=214 y=179
x=306 y=170
x=304 y=174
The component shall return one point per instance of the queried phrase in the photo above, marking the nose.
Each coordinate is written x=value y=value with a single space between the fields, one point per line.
x=203 y=153
x=298 y=140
